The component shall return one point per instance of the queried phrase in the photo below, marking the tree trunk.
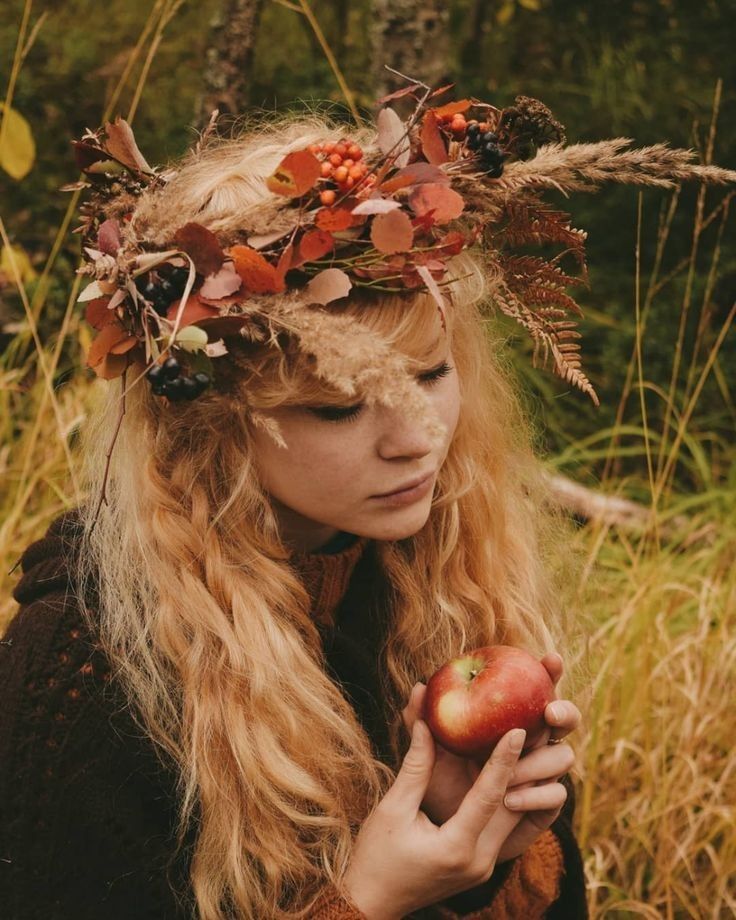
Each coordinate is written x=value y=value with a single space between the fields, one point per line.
x=229 y=58
x=410 y=36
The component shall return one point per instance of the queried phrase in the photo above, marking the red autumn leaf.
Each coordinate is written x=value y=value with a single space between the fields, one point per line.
x=453 y=108
x=414 y=174
x=433 y=146
x=202 y=246
x=121 y=144
x=124 y=346
x=258 y=274
x=286 y=261
x=194 y=311
x=313 y=245
x=451 y=244
x=222 y=283
x=397 y=94
x=442 y=89
x=442 y=202
x=108 y=236
x=110 y=335
x=335 y=219
x=295 y=174
x=392 y=232
x=330 y=284
x=97 y=314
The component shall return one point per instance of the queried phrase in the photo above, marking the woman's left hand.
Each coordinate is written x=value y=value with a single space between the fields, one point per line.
x=536 y=775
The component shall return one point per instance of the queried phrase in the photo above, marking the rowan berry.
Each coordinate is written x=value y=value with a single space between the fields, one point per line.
x=348 y=162
x=355 y=152
x=335 y=159
x=341 y=173
x=341 y=148
x=328 y=147
x=327 y=197
x=357 y=171
x=326 y=169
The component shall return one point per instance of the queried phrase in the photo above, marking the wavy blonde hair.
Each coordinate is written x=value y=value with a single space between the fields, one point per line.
x=209 y=626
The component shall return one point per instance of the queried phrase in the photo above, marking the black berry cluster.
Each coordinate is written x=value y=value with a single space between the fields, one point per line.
x=167 y=380
x=163 y=287
x=485 y=144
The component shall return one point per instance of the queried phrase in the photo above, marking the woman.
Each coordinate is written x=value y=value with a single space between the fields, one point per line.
x=213 y=687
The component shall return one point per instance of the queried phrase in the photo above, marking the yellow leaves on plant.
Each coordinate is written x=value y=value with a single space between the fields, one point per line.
x=258 y=274
x=23 y=265
x=17 y=147
x=295 y=174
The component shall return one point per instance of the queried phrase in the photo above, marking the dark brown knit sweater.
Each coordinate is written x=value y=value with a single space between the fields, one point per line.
x=87 y=809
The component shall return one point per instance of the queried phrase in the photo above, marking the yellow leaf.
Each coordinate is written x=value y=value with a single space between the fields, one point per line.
x=505 y=12
x=530 y=4
x=22 y=265
x=17 y=147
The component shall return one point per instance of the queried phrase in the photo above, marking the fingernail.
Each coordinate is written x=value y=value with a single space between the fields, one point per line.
x=512 y=800
x=516 y=741
x=557 y=711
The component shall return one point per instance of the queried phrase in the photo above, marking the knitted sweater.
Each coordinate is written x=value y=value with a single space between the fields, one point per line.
x=87 y=810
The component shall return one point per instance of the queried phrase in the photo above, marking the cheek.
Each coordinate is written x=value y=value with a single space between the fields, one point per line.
x=310 y=460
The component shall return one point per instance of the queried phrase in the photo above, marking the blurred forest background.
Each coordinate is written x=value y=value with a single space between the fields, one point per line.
x=652 y=637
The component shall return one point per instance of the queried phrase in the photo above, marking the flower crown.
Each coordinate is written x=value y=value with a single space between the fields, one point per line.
x=388 y=218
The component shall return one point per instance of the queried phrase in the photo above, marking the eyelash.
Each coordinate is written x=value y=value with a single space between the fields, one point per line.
x=431 y=378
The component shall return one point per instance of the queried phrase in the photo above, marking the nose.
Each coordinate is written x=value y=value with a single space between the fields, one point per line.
x=400 y=434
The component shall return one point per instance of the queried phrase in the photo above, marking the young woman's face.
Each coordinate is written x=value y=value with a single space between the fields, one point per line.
x=339 y=459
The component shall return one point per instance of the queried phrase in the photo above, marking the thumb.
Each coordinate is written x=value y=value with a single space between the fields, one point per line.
x=411 y=781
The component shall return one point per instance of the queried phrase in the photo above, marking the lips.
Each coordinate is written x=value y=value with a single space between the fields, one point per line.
x=408 y=485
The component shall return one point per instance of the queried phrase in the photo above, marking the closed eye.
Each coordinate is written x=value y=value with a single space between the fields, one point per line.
x=343 y=414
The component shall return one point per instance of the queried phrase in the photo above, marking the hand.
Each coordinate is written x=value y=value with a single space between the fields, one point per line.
x=402 y=862
x=453 y=775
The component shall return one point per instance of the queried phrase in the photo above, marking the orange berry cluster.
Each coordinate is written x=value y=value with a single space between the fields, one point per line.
x=342 y=164
x=458 y=125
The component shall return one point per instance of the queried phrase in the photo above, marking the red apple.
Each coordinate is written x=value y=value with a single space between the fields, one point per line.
x=473 y=700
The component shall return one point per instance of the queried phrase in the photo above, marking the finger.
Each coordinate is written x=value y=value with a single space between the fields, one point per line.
x=549 y=762
x=409 y=787
x=537 y=798
x=486 y=794
x=563 y=716
x=554 y=665
x=413 y=709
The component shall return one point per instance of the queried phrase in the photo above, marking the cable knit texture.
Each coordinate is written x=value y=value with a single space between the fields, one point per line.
x=88 y=807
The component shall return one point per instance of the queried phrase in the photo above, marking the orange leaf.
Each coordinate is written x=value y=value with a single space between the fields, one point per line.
x=111 y=366
x=313 y=245
x=295 y=174
x=392 y=232
x=258 y=274
x=194 y=311
x=442 y=202
x=110 y=335
x=413 y=174
x=452 y=108
x=335 y=219
x=433 y=146
x=97 y=314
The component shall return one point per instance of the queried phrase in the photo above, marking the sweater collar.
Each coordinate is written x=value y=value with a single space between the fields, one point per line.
x=326 y=573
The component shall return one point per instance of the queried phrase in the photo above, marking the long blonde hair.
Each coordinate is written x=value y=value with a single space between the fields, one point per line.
x=209 y=626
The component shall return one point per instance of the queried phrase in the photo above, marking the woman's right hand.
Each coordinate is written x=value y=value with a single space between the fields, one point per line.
x=401 y=861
